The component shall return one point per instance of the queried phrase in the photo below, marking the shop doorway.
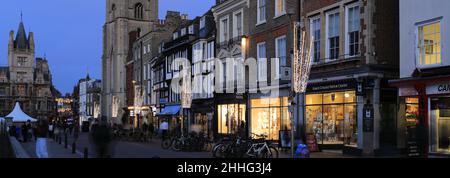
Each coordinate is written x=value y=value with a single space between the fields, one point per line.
x=331 y=118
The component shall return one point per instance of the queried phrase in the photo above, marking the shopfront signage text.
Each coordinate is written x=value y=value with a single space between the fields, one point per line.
x=438 y=89
x=333 y=86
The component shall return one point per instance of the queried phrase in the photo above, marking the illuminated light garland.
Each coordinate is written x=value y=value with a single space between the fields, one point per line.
x=302 y=62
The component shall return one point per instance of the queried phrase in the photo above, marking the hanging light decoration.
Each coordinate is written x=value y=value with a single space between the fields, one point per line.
x=301 y=62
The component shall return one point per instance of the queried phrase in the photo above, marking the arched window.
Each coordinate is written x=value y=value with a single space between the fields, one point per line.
x=138 y=11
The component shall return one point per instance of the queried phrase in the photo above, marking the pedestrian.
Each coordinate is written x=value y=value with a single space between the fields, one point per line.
x=164 y=127
x=41 y=143
x=29 y=130
x=35 y=132
x=50 y=130
x=76 y=132
x=151 y=129
x=24 y=130
x=101 y=137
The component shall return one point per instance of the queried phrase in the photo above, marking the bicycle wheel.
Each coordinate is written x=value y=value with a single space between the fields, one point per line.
x=219 y=151
x=177 y=145
x=271 y=153
x=166 y=143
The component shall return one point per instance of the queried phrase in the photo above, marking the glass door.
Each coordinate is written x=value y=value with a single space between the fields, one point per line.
x=333 y=124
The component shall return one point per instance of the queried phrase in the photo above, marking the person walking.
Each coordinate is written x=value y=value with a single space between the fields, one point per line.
x=164 y=127
x=41 y=143
x=101 y=137
x=24 y=133
x=50 y=130
x=151 y=130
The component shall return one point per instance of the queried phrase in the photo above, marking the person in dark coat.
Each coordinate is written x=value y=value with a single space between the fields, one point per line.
x=24 y=130
x=151 y=129
x=101 y=137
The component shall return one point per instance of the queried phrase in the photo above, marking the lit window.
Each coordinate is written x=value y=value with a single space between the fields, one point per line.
x=429 y=46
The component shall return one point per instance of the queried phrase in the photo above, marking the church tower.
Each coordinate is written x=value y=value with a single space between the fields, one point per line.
x=21 y=56
x=122 y=17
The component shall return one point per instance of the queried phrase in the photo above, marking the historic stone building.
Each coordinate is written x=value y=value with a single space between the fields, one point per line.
x=122 y=17
x=26 y=79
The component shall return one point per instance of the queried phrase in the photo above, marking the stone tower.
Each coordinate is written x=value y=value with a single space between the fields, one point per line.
x=21 y=56
x=122 y=17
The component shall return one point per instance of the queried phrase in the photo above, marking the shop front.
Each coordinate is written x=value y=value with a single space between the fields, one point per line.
x=270 y=117
x=425 y=114
x=231 y=116
x=202 y=116
x=331 y=114
x=171 y=115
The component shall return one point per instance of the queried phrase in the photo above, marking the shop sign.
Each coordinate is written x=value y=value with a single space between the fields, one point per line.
x=409 y=91
x=360 y=88
x=368 y=118
x=348 y=85
x=442 y=88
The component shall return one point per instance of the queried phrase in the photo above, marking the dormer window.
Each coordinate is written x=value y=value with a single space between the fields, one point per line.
x=175 y=35
x=202 y=22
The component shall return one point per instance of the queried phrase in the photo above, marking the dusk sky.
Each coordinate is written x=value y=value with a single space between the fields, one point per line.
x=69 y=32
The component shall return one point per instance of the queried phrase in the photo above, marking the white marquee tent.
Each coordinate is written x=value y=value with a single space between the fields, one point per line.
x=19 y=116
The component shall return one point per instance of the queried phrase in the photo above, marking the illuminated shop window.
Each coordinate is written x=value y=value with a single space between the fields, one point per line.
x=331 y=118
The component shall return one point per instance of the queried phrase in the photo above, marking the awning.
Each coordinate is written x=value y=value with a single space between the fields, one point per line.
x=170 y=110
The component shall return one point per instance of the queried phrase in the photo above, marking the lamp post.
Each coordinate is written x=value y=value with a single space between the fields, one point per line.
x=301 y=67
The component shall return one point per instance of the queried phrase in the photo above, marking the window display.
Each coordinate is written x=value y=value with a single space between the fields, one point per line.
x=331 y=117
x=412 y=111
x=231 y=118
x=269 y=116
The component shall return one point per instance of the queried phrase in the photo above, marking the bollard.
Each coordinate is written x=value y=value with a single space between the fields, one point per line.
x=74 y=147
x=85 y=152
x=65 y=141
x=59 y=140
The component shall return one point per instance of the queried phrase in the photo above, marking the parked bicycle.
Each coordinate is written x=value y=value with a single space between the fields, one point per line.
x=255 y=147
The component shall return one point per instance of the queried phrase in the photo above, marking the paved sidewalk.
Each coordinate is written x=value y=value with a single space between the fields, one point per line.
x=55 y=150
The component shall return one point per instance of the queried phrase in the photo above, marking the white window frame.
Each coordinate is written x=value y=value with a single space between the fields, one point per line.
x=312 y=33
x=222 y=29
x=279 y=14
x=202 y=22
x=278 y=60
x=261 y=77
x=327 y=41
x=175 y=35
x=260 y=21
x=191 y=29
x=183 y=31
x=416 y=44
x=235 y=25
x=347 y=36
